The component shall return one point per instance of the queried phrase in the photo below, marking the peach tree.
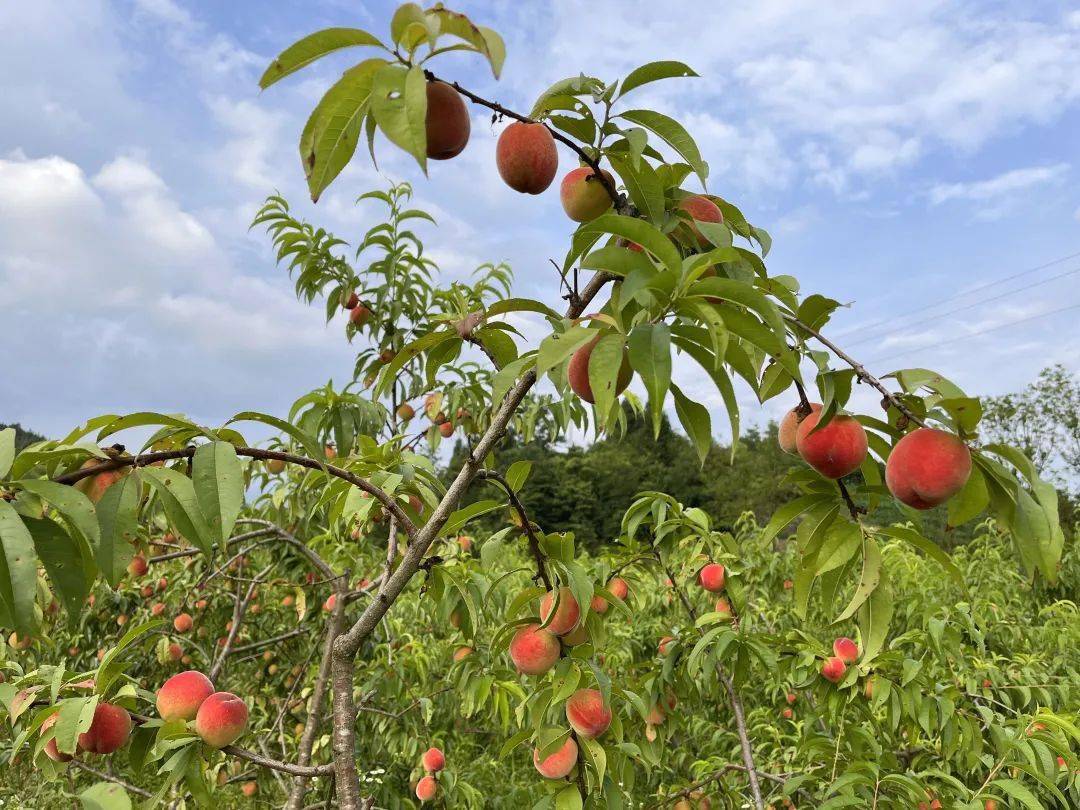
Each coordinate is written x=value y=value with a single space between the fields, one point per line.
x=376 y=654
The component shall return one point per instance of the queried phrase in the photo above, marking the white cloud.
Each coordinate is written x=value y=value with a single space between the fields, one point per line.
x=996 y=195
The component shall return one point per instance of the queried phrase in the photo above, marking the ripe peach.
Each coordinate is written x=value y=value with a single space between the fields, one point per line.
x=51 y=751
x=583 y=196
x=788 y=584
x=331 y=600
x=249 y=788
x=577 y=374
x=147 y=591
x=425 y=788
x=587 y=713
x=180 y=697
x=598 y=604
x=275 y=466
x=526 y=157
x=176 y=652
x=182 y=623
x=566 y=615
x=576 y=637
x=157 y=609
x=447 y=123
x=833 y=669
x=656 y=715
x=465 y=542
x=433 y=760
x=927 y=467
x=788 y=425
x=788 y=714
x=835 y=450
x=701 y=209
x=137 y=567
x=330 y=451
x=711 y=577
x=534 y=650
x=461 y=653
x=17 y=642
x=405 y=412
x=665 y=644
x=846 y=650
x=559 y=764
x=446 y=430
x=990 y=804
x=790 y=697
x=221 y=719
x=108 y=731
x=359 y=315
x=618 y=588
x=349 y=301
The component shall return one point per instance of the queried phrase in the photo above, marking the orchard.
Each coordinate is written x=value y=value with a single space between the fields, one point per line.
x=332 y=619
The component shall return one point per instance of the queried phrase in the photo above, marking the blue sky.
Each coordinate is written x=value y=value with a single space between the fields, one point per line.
x=900 y=153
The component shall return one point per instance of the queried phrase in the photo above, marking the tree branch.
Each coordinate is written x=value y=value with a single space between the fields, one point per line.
x=526 y=524
x=108 y=777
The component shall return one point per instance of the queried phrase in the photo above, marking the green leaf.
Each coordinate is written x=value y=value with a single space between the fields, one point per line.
x=177 y=494
x=1019 y=792
x=521 y=305
x=18 y=569
x=72 y=504
x=117 y=514
x=149 y=418
x=636 y=230
x=464 y=515
x=105 y=796
x=554 y=349
x=969 y=502
x=672 y=133
x=695 y=420
x=518 y=474
x=407 y=17
x=64 y=563
x=219 y=487
x=654 y=71
x=332 y=131
x=314 y=449
x=871 y=576
x=109 y=669
x=644 y=186
x=485 y=40
x=874 y=617
x=650 y=356
x=926 y=546
x=568 y=798
x=7 y=450
x=75 y=717
x=605 y=362
x=399 y=104
x=842 y=540
x=312 y=47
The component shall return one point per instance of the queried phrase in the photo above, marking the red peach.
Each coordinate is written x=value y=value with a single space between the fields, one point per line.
x=583 y=196
x=566 y=615
x=182 y=623
x=711 y=577
x=789 y=425
x=108 y=731
x=835 y=450
x=221 y=719
x=447 y=123
x=587 y=713
x=833 y=670
x=526 y=157
x=433 y=760
x=577 y=373
x=927 y=467
x=425 y=788
x=846 y=650
x=701 y=209
x=559 y=764
x=180 y=697
x=51 y=751
x=534 y=650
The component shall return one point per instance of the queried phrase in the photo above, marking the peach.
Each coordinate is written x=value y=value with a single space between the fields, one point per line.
x=559 y=764
x=578 y=372
x=108 y=731
x=723 y=607
x=425 y=788
x=405 y=412
x=359 y=315
x=17 y=642
x=182 y=623
x=598 y=604
x=656 y=715
x=701 y=209
x=387 y=356
x=846 y=650
x=618 y=588
x=788 y=714
x=94 y=486
x=534 y=650
x=433 y=760
x=330 y=451
x=447 y=123
x=221 y=720
x=330 y=602
x=147 y=591
x=790 y=697
x=157 y=609
x=176 y=652
x=927 y=467
x=526 y=157
x=835 y=450
x=576 y=637
x=137 y=567
x=587 y=713
x=350 y=301
x=249 y=788
x=180 y=697
x=583 y=196
x=566 y=615
x=465 y=542
x=665 y=644
x=711 y=577
x=51 y=751
x=788 y=425
x=275 y=466
x=833 y=669
x=446 y=430
x=461 y=653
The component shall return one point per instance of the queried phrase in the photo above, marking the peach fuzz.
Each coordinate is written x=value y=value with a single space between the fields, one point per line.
x=834 y=451
x=577 y=373
x=566 y=615
x=534 y=650
x=587 y=713
x=180 y=697
x=526 y=157
x=221 y=720
x=927 y=467
x=559 y=764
